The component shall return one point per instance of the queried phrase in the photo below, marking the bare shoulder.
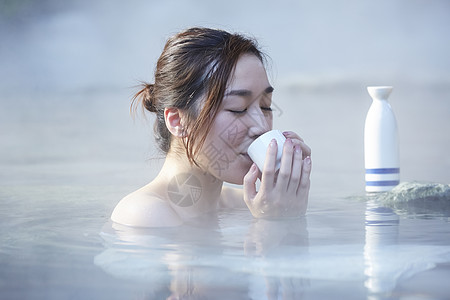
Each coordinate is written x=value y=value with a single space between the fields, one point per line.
x=232 y=197
x=144 y=209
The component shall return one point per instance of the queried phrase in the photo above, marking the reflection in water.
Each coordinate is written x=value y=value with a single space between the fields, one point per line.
x=381 y=232
x=272 y=244
x=207 y=260
x=232 y=256
x=388 y=261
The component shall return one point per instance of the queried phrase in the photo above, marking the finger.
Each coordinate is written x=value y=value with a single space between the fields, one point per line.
x=303 y=188
x=296 y=169
x=292 y=135
x=268 y=172
x=305 y=148
x=286 y=166
x=298 y=140
x=250 y=184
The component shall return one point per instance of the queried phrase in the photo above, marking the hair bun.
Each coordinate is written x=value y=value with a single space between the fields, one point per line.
x=148 y=98
x=145 y=98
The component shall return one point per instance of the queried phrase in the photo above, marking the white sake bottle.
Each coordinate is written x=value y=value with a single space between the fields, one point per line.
x=381 y=151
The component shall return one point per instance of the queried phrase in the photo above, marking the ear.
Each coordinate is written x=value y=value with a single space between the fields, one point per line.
x=174 y=121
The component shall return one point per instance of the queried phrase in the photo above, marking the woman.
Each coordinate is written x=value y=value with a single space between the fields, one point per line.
x=212 y=98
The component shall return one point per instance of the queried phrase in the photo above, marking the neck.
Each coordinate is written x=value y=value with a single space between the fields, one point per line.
x=192 y=192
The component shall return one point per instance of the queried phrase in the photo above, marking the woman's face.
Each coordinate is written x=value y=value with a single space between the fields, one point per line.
x=244 y=115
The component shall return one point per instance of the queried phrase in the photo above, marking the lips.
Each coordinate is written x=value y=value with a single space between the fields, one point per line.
x=246 y=150
x=246 y=156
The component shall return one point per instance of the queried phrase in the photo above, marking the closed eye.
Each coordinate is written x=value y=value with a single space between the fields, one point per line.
x=238 y=112
x=267 y=108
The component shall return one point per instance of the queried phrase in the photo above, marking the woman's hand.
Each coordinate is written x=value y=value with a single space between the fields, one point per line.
x=282 y=194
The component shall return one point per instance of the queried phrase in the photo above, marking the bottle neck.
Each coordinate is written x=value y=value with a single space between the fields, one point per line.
x=379 y=100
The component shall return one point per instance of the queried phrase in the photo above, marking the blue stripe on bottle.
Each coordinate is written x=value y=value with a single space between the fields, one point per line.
x=383 y=183
x=383 y=171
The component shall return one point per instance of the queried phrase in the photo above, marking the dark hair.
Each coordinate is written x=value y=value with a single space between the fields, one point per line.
x=194 y=63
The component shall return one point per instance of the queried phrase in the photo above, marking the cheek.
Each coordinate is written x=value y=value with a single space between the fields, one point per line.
x=231 y=133
x=269 y=118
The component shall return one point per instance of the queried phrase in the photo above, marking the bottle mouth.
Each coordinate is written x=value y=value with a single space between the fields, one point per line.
x=379 y=92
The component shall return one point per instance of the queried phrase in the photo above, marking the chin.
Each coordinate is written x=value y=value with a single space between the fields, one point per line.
x=235 y=173
x=235 y=177
x=234 y=181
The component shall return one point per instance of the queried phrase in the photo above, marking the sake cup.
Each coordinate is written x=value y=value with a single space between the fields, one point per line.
x=258 y=149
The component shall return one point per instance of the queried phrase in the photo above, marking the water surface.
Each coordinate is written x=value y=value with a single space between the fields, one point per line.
x=69 y=151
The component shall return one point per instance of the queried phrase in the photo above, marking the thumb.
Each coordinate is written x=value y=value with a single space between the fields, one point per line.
x=250 y=184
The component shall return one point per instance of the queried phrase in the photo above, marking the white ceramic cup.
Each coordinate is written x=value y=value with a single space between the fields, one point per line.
x=258 y=149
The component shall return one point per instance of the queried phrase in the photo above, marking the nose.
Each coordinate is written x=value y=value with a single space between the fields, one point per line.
x=258 y=124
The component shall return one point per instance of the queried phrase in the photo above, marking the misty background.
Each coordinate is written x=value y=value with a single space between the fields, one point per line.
x=67 y=71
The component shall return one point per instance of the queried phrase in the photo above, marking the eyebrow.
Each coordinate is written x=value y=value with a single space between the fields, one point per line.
x=247 y=93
